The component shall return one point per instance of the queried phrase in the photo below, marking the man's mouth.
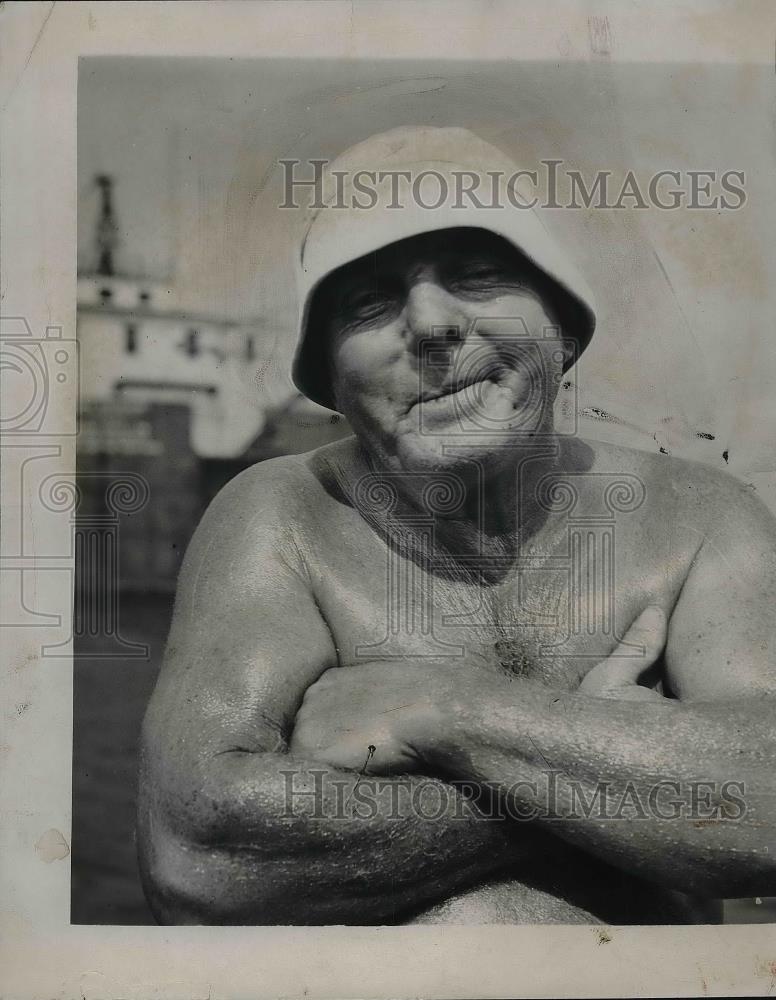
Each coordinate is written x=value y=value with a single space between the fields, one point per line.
x=448 y=389
x=450 y=397
x=484 y=395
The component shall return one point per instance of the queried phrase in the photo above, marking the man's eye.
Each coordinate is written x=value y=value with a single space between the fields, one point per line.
x=481 y=276
x=367 y=303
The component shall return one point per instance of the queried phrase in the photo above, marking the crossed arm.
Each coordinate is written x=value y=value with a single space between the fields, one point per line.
x=234 y=828
x=680 y=791
x=250 y=713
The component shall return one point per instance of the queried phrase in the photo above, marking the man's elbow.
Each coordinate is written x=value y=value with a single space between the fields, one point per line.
x=186 y=882
x=198 y=867
x=190 y=871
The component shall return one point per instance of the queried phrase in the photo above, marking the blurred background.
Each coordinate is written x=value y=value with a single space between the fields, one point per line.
x=187 y=309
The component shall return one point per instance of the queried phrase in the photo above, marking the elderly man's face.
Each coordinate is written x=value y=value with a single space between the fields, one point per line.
x=486 y=383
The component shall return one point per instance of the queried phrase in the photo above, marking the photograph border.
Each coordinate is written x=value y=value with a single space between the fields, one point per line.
x=41 y=953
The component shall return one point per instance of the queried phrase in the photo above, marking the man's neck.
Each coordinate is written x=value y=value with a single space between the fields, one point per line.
x=477 y=506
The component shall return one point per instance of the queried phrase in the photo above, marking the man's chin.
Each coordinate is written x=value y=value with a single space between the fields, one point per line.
x=459 y=451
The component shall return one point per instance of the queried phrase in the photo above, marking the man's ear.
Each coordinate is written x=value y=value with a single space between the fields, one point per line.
x=568 y=345
x=569 y=348
x=333 y=383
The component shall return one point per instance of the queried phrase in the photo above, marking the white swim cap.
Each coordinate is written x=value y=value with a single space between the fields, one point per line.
x=427 y=198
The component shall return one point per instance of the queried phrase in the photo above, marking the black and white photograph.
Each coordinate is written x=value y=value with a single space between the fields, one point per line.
x=436 y=653
x=421 y=513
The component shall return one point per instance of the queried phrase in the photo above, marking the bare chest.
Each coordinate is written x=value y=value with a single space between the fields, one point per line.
x=550 y=612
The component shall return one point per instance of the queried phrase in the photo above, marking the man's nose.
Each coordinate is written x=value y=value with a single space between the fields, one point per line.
x=431 y=311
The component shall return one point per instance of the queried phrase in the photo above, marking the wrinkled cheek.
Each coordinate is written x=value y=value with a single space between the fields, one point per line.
x=366 y=388
x=540 y=364
x=370 y=413
x=515 y=314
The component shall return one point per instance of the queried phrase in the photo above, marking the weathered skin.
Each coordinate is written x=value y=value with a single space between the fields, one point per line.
x=287 y=578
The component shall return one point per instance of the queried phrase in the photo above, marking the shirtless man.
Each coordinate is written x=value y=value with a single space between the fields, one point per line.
x=550 y=662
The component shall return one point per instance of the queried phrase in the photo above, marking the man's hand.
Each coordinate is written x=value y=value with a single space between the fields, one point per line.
x=618 y=676
x=397 y=706
x=386 y=704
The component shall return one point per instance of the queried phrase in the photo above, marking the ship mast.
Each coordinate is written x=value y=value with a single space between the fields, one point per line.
x=107 y=227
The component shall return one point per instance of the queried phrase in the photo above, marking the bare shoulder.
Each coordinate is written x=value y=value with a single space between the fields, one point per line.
x=247 y=527
x=262 y=505
x=245 y=568
x=263 y=492
x=289 y=485
x=680 y=488
x=264 y=517
x=692 y=508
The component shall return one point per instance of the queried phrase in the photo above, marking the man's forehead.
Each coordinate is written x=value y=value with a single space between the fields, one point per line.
x=445 y=244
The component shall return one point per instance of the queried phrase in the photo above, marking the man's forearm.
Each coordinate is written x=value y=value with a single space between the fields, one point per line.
x=278 y=839
x=681 y=794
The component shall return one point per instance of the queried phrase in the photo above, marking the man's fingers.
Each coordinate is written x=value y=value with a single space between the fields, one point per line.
x=624 y=665
x=649 y=630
